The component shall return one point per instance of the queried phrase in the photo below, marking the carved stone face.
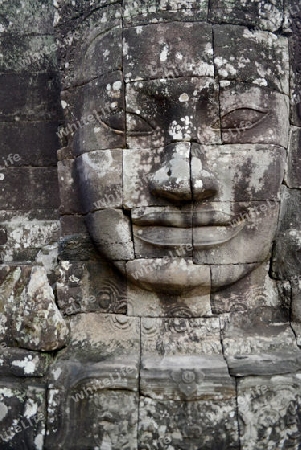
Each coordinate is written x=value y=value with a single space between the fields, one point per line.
x=181 y=173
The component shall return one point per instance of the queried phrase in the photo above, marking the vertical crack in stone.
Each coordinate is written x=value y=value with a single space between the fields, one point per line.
x=237 y=414
x=139 y=376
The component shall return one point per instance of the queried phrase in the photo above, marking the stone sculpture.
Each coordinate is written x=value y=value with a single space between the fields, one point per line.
x=178 y=270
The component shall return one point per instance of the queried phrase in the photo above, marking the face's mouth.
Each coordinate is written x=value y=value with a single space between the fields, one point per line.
x=201 y=230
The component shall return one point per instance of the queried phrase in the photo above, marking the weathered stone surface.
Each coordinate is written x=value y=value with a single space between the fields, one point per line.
x=253 y=114
x=265 y=64
x=244 y=172
x=294 y=159
x=111 y=234
x=38 y=324
x=163 y=111
x=91 y=61
x=263 y=364
x=108 y=418
x=69 y=189
x=41 y=188
x=188 y=303
x=174 y=57
x=33 y=97
x=22 y=416
x=171 y=276
x=94 y=337
x=188 y=425
x=254 y=289
x=27 y=236
x=90 y=286
x=226 y=245
x=100 y=179
x=30 y=54
x=180 y=336
x=186 y=377
x=266 y=15
x=286 y=251
x=148 y=11
x=292 y=24
x=269 y=412
x=180 y=161
x=27 y=17
x=95 y=114
x=259 y=343
x=83 y=29
x=28 y=143
x=18 y=362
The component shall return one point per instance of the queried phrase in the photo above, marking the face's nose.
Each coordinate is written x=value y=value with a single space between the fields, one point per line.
x=180 y=178
x=172 y=179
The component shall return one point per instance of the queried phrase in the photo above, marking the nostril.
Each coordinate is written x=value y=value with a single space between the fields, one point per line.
x=169 y=173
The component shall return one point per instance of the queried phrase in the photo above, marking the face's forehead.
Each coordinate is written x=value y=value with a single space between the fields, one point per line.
x=171 y=50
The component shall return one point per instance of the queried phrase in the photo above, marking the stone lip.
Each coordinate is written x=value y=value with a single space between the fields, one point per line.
x=204 y=237
x=193 y=377
x=273 y=363
x=122 y=373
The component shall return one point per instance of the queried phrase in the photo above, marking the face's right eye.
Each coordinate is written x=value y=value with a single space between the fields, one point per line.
x=115 y=121
x=136 y=125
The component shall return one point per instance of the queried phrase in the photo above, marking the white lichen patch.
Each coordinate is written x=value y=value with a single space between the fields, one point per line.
x=29 y=364
x=3 y=410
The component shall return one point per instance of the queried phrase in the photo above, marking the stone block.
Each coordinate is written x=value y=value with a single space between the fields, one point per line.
x=260 y=331
x=174 y=57
x=18 y=362
x=186 y=377
x=266 y=15
x=100 y=179
x=294 y=159
x=180 y=336
x=37 y=322
x=26 y=237
x=41 y=188
x=225 y=245
x=22 y=416
x=171 y=276
x=229 y=176
x=190 y=303
x=90 y=59
x=28 y=143
x=95 y=337
x=265 y=63
x=263 y=422
x=111 y=232
x=191 y=425
x=69 y=189
x=81 y=29
x=95 y=114
x=253 y=290
x=27 y=17
x=34 y=97
x=137 y=13
x=90 y=286
x=23 y=53
x=106 y=418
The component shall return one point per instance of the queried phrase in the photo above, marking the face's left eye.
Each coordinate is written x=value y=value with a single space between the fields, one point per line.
x=242 y=118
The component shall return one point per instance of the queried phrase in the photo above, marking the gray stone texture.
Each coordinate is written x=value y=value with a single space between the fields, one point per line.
x=163 y=309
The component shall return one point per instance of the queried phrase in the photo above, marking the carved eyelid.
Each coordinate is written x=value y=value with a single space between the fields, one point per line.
x=143 y=121
x=261 y=114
